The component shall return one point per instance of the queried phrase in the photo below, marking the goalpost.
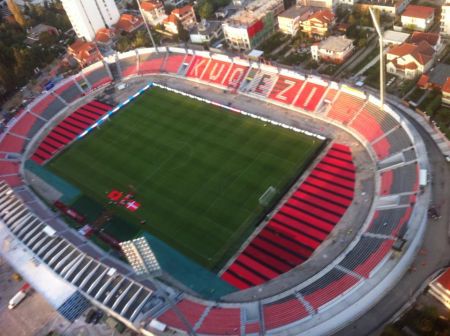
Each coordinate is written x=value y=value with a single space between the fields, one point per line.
x=267 y=197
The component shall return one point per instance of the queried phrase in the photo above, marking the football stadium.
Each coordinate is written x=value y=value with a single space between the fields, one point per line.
x=274 y=202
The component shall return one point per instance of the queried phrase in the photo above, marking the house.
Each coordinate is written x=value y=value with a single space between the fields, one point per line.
x=433 y=39
x=392 y=37
x=105 y=36
x=84 y=53
x=417 y=17
x=129 y=23
x=435 y=78
x=445 y=18
x=185 y=15
x=34 y=33
x=154 y=12
x=335 y=49
x=206 y=31
x=446 y=97
x=289 y=22
x=388 y=7
x=410 y=60
x=319 y=23
x=253 y=24
x=330 y=4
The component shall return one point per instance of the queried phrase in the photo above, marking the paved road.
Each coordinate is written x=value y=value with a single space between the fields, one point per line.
x=435 y=253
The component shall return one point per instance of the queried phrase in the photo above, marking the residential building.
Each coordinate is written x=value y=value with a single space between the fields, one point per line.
x=392 y=37
x=129 y=23
x=319 y=23
x=445 y=18
x=34 y=33
x=417 y=17
x=410 y=60
x=154 y=12
x=206 y=31
x=105 y=36
x=335 y=49
x=446 y=101
x=88 y=16
x=289 y=22
x=440 y=287
x=330 y=4
x=435 y=78
x=251 y=25
x=389 y=7
x=433 y=39
x=84 y=53
x=185 y=15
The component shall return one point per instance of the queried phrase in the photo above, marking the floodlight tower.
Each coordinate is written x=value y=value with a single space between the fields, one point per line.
x=380 y=39
x=145 y=264
x=146 y=25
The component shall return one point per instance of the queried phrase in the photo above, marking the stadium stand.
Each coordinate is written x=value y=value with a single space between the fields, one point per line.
x=197 y=67
x=363 y=119
x=389 y=222
x=235 y=76
x=150 y=63
x=128 y=66
x=68 y=91
x=26 y=126
x=69 y=129
x=173 y=63
x=366 y=255
x=345 y=108
x=300 y=225
x=286 y=89
x=382 y=148
x=192 y=311
x=311 y=96
x=69 y=262
x=216 y=71
x=283 y=312
x=97 y=75
x=221 y=321
x=48 y=107
x=328 y=287
x=262 y=83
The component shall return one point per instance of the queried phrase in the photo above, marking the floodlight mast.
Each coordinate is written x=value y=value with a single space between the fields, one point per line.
x=380 y=39
x=133 y=251
x=146 y=25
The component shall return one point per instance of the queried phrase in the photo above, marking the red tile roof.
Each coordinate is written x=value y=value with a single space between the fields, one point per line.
x=183 y=10
x=128 y=22
x=422 y=51
x=421 y=12
x=446 y=89
x=324 y=16
x=444 y=278
x=431 y=38
x=84 y=52
x=150 y=5
x=423 y=81
x=171 y=18
x=104 y=35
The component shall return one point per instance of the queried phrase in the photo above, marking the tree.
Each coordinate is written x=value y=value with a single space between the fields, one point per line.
x=183 y=34
x=206 y=10
x=15 y=11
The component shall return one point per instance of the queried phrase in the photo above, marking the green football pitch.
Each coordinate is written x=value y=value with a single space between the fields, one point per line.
x=198 y=171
